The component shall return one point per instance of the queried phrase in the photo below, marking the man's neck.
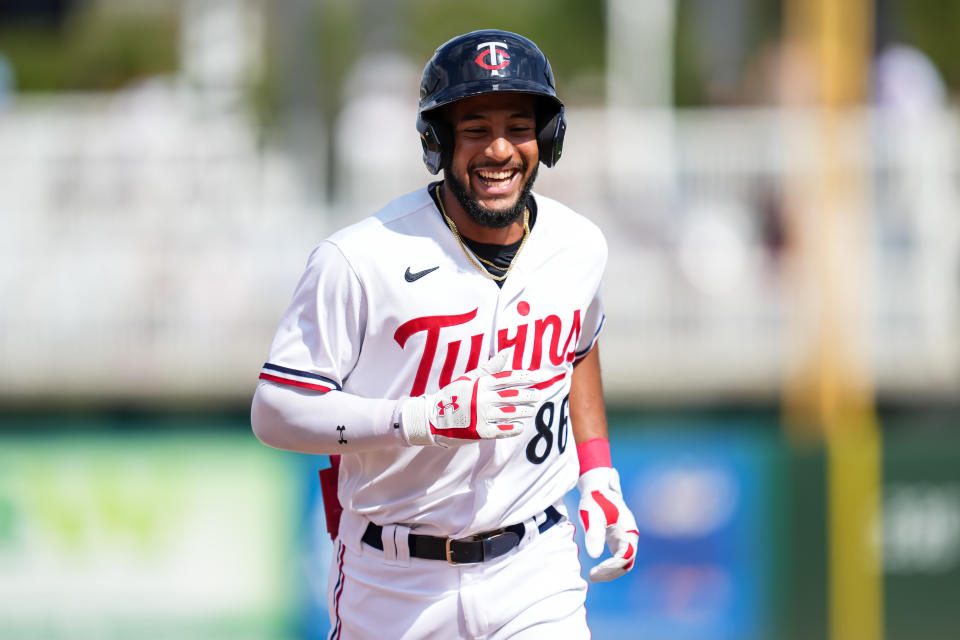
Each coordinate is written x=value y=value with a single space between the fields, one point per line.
x=469 y=228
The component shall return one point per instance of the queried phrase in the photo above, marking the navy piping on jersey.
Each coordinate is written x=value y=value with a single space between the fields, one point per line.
x=593 y=341
x=297 y=378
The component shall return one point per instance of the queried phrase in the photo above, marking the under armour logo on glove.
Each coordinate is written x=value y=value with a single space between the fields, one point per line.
x=452 y=405
x=606 y=518
x=489 y=402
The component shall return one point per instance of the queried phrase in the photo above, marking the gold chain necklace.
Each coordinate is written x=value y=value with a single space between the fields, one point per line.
x=470 y=257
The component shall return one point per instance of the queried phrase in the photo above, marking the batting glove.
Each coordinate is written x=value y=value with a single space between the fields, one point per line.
x=489 y=402
x=605 y=517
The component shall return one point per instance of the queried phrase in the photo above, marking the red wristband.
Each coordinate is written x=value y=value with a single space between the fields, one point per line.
x=594 y=453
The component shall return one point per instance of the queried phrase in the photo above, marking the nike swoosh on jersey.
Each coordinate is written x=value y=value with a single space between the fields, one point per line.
x=412 y=277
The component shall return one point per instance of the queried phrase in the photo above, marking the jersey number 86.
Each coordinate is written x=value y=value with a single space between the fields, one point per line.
x=540 y=446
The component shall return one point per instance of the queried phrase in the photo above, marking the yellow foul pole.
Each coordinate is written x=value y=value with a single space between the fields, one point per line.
x=832 y=387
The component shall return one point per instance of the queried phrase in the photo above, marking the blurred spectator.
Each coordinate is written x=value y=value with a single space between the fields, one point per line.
x=907 y=82
x=781 y=73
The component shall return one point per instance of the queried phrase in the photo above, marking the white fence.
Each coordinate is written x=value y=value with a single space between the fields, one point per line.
x=148 y=245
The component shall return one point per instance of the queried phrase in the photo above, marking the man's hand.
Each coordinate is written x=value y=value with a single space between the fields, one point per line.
x=605 y=517
x=489 y=402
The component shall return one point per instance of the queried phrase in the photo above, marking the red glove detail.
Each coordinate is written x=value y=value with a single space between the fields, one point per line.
x=604 y=513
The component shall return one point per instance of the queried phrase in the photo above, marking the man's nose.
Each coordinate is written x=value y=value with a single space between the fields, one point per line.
x=500 y=149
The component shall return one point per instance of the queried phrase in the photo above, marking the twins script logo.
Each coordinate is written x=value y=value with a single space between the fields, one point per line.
x=545 y=340
x=493 y=57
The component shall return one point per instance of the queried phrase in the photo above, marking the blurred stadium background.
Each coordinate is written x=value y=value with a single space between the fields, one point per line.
x=778 y=183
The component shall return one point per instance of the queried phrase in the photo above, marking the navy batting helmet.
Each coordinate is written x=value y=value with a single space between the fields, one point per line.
x=482 y=62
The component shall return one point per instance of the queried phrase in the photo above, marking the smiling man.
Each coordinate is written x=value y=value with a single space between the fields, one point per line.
x=494 y=161
x=444 y=353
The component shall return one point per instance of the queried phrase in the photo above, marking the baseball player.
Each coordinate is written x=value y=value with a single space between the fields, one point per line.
x=444 y=352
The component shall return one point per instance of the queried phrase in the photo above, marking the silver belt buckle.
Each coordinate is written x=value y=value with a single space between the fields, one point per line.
x=447 y=546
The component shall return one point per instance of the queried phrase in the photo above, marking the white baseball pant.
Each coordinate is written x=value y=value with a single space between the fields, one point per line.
x=533 y=592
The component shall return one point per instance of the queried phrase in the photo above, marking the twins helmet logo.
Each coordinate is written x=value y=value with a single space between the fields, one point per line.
x=493 y=57
x=443 y=406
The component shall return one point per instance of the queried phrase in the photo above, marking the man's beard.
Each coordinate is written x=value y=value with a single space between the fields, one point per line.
x=488 y=217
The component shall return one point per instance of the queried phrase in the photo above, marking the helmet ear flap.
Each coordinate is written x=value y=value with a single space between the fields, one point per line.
x=435 y=138
x=550 y=138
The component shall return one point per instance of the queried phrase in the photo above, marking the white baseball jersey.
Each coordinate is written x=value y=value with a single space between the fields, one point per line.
x=391 y=307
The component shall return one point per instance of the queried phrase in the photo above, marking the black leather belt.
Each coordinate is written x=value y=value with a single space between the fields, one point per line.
x=476 y=548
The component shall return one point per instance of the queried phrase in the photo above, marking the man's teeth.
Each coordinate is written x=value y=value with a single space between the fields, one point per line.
x=495 y=176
